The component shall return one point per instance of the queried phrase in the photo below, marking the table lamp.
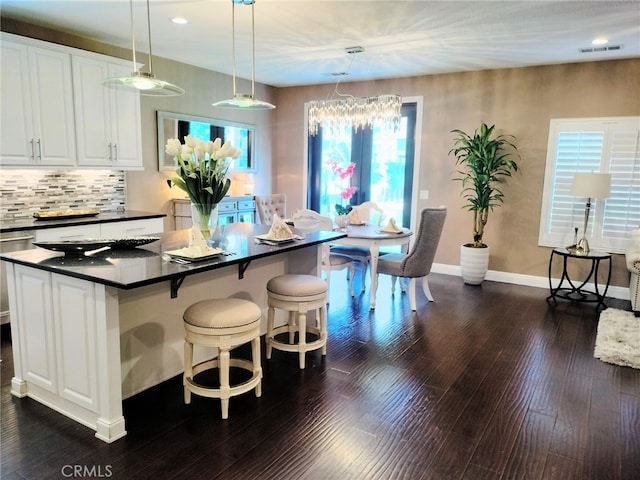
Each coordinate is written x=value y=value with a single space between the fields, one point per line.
x=249 y=184
x=589 y=185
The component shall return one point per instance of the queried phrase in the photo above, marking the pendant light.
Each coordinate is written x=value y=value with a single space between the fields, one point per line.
x=243 y=100
x=143 y=82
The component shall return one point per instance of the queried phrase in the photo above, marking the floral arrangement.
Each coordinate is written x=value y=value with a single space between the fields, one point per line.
x=343 y=173
x=202 y=170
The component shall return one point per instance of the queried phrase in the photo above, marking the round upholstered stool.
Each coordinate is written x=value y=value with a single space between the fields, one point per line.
x=297 y=294
x=223 y=323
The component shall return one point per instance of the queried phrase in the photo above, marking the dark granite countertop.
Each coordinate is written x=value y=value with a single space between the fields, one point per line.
x=25 y=224
x=137 y=267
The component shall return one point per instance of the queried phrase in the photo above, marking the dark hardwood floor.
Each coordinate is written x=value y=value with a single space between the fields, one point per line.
x=485 y=383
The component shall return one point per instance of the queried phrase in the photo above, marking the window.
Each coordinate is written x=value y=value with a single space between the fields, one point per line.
x=384 y=167
x=600 y=145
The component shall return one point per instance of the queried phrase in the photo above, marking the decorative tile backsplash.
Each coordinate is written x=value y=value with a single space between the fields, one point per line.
x=23 y=192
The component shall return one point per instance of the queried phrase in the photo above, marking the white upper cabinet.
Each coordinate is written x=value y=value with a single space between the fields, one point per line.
x=37 y=107
x=57 y=114
x=107 y=120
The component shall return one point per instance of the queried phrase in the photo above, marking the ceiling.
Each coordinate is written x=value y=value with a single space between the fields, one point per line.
x=303 y=41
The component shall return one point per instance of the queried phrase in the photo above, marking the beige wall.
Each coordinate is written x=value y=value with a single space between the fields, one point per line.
x=520 y=102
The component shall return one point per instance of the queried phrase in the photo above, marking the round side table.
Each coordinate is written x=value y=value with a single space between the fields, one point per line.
x=574 y=291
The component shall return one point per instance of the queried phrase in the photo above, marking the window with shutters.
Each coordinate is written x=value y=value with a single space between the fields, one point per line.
x=599 y=145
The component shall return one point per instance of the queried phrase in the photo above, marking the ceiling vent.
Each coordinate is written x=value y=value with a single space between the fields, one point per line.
x=601 y=49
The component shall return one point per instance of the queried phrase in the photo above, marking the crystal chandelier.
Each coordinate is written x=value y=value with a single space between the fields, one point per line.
x=356 y=112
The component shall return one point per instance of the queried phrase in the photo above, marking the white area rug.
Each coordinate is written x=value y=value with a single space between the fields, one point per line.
x=618 y=339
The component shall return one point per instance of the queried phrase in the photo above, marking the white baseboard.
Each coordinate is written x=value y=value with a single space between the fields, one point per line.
x=529 y=280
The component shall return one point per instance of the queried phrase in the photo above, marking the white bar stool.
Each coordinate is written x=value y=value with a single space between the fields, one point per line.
x=224 y=323
x=298 y=294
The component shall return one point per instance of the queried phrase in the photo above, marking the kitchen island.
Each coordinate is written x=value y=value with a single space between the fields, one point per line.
x=89 y=331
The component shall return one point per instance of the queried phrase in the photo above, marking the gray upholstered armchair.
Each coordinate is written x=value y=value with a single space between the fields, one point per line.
x=633 y=264
x=417 y=263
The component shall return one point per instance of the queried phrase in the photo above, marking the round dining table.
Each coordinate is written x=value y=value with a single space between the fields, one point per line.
x=373 y=237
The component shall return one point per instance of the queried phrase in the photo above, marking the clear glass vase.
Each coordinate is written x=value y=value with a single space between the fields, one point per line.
x=205 y=217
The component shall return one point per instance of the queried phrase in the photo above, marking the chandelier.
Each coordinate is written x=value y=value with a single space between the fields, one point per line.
x=336 y=114
x=355 y=112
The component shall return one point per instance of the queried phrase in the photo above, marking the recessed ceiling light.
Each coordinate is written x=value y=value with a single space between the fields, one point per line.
x=180 y=20
x=600 y=41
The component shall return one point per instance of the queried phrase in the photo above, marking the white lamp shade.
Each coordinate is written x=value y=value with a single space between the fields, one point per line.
x=591 y=185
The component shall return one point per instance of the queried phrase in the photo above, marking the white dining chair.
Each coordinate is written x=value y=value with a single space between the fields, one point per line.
x=310 y=220
x=371 y=214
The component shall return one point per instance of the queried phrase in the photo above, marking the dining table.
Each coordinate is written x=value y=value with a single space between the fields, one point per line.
x=374 y=237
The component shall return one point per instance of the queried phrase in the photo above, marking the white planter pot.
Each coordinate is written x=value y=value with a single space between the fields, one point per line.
x=474 y=263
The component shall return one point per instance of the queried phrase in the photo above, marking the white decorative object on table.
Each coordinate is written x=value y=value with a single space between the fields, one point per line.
x=197 y=249
x=354 y=217
x=391 y=227
x=278 y=233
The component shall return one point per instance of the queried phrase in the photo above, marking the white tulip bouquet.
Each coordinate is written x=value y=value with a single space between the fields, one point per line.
x=202 y=170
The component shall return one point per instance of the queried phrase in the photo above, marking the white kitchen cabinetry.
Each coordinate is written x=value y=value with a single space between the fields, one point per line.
x=107 y=120
x=72 y=232
x=132 y=228
x=37 y=107
x=59 y=358
x=57 y=114
x=123 y=229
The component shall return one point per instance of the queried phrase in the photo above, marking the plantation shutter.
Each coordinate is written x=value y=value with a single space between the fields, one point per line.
x=604 y=145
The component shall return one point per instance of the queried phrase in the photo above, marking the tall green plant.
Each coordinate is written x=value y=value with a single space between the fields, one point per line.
x=484 y=163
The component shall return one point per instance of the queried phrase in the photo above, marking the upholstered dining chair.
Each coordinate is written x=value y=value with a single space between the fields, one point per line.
x=269 y=205
x=417 y=263
x=371 y=214
x=310 y=220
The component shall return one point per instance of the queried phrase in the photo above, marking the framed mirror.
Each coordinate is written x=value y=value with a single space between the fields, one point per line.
x=178 y=125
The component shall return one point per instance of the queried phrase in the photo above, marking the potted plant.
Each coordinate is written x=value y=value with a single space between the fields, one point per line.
x=342 y=174
x=483 y=164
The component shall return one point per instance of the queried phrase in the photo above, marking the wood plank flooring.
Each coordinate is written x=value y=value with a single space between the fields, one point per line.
x=486 y=383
